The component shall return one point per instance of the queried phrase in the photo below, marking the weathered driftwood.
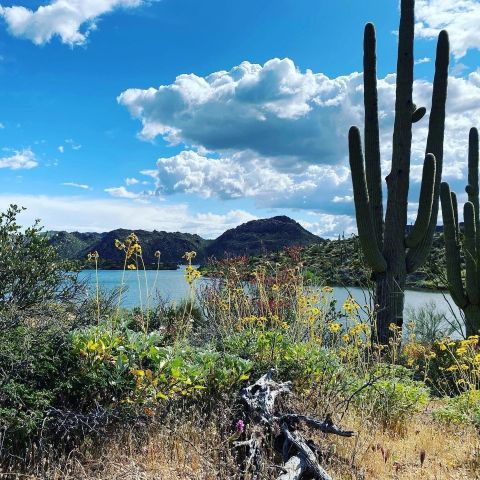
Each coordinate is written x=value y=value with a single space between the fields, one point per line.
x=299 y=455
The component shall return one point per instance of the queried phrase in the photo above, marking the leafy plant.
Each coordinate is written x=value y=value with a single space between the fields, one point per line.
x=126 y=367
x=462 y=409
x=31 y=271
x=392 y=398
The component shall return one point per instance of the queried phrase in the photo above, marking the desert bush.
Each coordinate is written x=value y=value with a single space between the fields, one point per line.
x=447 y=366
x=31 y=271
x=34 y=375
x=390 y=397
x=427 y=324
x=126 y=367
x=173 y=318
x=462 y=409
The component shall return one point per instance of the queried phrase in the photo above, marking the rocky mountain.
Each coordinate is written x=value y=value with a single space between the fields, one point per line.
x=258 y=236
x=251 y=238
x=172 y=245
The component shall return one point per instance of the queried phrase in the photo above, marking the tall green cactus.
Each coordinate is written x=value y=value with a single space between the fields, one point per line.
x=467 y=298
x=391 y=253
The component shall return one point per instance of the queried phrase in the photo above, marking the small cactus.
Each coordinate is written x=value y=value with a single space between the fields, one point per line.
x=465 y=292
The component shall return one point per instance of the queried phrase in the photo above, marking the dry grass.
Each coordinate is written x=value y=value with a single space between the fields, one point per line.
x=199 y=448
x=448 y=453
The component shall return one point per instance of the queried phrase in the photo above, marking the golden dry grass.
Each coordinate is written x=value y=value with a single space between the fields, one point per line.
x=189 y=451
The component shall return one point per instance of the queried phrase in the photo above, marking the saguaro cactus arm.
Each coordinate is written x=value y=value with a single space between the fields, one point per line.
x=454 y=273
x=372 y=136
x=366 y=232
x=453 y=195
x=436 y=128
x=472 y=187
x=470 y=250
x=422 y=221
x=473 y=190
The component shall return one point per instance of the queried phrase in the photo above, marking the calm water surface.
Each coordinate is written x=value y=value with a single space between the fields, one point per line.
x=171 y=285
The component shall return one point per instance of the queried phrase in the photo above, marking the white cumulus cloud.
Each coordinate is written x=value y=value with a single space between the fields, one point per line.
x=71 y=20
x=279 y=135
x=461 y=18
x=273 y=110
x=19 y=160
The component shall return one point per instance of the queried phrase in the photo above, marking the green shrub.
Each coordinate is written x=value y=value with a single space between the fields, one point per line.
x=462 y=409
x=124 y=367
x=306 y=364
x=428 y=324
x=31 y=271
x=392 y=396
x=34 y=375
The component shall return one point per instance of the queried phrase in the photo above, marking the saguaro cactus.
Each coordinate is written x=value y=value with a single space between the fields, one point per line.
x=391 y=253
x=467 y=298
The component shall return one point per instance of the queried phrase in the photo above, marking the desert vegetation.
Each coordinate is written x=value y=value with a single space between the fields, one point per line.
x=91 y=390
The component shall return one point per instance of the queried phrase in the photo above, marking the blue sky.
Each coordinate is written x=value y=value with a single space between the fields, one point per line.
x=197 y=116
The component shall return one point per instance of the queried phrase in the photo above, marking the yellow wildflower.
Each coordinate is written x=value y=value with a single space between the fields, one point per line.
x=334 y=327
x=442 y=346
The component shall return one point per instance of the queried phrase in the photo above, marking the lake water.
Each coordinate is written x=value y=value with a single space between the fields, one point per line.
x=171 y=285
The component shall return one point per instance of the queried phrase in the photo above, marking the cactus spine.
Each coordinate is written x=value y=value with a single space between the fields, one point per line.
x=390 y=253
x=467 y=298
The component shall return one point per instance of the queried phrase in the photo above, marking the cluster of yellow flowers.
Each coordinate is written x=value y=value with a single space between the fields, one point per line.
x=262 y=320
x=350 y=306
x=131 y=247
x=466 y=360
x=334 y=327
x=93 y=256
x=415 y=351
x=191 y=273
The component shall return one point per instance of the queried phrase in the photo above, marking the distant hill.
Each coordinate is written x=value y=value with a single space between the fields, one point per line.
x=257 y=236
x=251 y=238
x=172 y=245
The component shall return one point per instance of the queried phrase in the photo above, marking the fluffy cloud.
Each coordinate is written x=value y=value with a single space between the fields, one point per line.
x=71 y=20
x=20 y=160
x=245 y=175
x=279 y=135
x=99 y=215
x=273 y=110
x=326 y=225
x=131 y=181
x=460 y=17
